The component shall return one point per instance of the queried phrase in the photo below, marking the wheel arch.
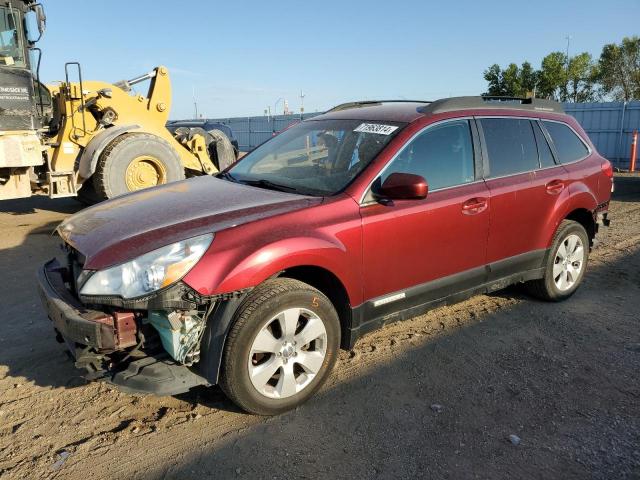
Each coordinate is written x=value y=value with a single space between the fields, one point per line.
x=90 y=155
x=578 y=207
x=332 y=287
x=585 y=218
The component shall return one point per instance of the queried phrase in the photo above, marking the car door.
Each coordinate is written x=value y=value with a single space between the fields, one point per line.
x=415 y=251
x=519 y=192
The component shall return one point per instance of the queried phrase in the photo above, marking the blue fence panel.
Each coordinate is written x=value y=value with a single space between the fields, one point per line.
x=609 y=125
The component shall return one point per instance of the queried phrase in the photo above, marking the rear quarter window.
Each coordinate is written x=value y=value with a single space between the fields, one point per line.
x=569 y=146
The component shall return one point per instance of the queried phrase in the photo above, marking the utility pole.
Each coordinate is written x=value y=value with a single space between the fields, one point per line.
x=195 y=104
x=568 y=38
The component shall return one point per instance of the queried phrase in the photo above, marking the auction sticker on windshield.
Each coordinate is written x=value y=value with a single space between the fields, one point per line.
x=376 y=128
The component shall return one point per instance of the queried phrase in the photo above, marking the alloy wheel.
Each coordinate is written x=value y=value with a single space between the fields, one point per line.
x=287 y=353
x=568 y=262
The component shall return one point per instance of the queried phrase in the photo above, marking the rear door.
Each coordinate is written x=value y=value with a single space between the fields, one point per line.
x=415 y=251
x=518 y=196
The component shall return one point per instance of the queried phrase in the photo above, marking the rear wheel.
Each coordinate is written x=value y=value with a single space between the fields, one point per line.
x=565 y=264
x=135 y=161
x=281 y=347
x=222 y=149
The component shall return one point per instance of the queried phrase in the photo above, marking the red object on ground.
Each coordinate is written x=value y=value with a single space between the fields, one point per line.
x=634 y=151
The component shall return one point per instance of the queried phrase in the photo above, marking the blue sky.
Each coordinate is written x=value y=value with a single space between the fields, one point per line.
x=242 y=56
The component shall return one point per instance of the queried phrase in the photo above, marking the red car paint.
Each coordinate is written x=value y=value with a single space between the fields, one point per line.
x=372 y=249
x=376 y=249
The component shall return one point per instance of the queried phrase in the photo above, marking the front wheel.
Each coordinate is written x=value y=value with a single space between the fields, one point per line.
x=281 y=347
x=565 y=264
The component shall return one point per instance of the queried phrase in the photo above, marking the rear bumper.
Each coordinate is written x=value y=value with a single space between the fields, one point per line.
x=93 y=336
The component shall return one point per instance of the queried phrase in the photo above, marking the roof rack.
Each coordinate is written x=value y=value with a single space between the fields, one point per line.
x=518 y=103
x=367 y=103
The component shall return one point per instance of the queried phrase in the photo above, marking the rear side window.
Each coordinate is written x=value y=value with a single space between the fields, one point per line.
x=544 y=151
x=568 y=145
x=511 y=146
x=442 y=154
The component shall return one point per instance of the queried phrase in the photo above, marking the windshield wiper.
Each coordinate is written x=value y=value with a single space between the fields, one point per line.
x=262 y=183
x=228 y=176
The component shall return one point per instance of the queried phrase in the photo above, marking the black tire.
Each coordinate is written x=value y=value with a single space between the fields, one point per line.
x=222 y=149
x=546 y=288
x=259 y=309
x=87 y=194
x=110 y=179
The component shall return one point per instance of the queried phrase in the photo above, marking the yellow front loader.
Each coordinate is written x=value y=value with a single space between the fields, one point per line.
x=102 y=140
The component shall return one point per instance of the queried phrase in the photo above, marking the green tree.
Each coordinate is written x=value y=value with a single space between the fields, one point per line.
x=513 y=81
x=581 y=79
x=619 y=69
x=552 y=78
x=493 y=76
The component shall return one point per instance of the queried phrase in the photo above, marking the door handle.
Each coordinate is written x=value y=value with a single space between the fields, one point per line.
x=474 y=206
x=554 y=187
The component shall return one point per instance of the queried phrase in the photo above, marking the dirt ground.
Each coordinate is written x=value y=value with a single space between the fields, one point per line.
x=437 y=396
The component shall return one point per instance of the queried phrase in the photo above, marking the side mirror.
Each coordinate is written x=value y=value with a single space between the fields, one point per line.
x=35 y=17
x=402 y=186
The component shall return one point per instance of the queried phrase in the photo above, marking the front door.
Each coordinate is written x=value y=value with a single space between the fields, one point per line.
x=416 y=251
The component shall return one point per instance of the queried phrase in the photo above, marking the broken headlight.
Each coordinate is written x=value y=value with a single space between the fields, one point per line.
x=149 y=272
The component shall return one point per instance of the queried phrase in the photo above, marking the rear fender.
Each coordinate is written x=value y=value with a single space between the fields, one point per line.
x=580 y=198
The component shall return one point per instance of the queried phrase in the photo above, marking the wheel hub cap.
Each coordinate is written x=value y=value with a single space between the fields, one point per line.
x=568 y=263
x=287 y=353
x=145 y=171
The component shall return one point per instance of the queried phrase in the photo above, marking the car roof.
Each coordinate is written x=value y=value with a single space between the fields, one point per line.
x=410 y=110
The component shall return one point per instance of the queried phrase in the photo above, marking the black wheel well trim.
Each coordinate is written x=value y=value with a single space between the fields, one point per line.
x=587 y=219
x=332 y=287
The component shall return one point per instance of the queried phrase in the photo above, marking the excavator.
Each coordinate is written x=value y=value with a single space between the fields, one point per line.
x=90 y=139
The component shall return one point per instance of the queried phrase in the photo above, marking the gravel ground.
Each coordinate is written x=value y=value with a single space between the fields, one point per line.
x=499 y=386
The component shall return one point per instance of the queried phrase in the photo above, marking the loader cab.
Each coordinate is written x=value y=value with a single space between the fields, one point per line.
x=22 y=97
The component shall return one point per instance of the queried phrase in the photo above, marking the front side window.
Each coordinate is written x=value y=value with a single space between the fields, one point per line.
x=315 y=157
x=442 y=154
x=11 y=42
x=569 y=147
x=511 y=146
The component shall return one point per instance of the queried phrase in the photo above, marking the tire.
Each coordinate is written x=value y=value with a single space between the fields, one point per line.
x=134 y=161
x=551 y=287
x=87 y=194
x=222 y=149
x=263 y=311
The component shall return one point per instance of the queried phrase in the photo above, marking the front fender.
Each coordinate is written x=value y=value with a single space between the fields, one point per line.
x=236 y=269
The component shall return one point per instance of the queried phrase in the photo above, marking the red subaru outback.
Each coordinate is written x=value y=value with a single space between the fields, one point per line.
x=369 y=213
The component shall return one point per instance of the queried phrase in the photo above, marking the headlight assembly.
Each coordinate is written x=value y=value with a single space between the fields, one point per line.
x=149 y=272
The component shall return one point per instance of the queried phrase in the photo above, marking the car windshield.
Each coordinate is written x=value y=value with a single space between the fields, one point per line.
x=315 y=157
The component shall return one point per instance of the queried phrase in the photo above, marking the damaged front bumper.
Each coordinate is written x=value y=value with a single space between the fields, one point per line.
x=106 y=344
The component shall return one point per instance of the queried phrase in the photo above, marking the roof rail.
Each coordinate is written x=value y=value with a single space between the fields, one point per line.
x=518 y=103
x=367 y=103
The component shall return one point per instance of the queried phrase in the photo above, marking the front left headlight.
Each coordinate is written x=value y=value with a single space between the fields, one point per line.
x=149 y=272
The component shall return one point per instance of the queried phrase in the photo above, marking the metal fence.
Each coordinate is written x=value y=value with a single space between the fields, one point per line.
x=609 y=126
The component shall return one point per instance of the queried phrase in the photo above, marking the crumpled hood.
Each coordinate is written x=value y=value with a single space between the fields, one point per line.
x=121 y=229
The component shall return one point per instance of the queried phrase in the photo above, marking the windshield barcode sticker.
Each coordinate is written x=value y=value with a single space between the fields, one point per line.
x=376 y=128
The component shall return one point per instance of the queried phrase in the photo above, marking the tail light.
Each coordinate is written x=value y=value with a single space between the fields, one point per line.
x=607 y=168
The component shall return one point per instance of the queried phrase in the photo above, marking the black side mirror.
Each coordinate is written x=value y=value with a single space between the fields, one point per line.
x=402 y=186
